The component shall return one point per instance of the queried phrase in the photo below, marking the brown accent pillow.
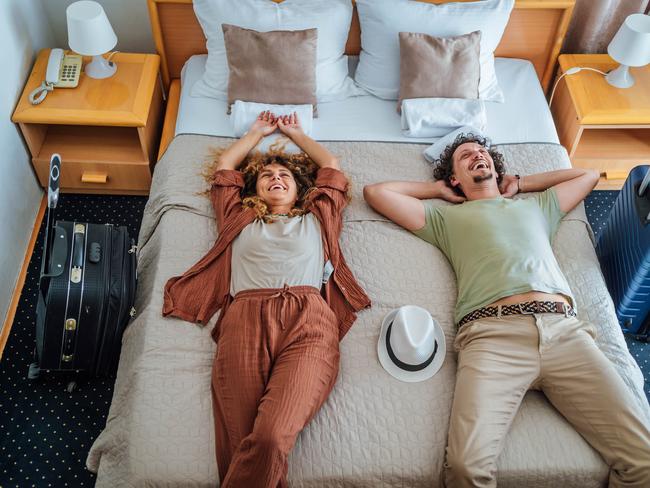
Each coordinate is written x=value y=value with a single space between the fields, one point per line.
x=443 y=67
x=271 y=67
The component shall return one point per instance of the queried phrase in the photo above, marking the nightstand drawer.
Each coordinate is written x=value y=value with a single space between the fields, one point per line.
x=85 y=177
x=613 y=152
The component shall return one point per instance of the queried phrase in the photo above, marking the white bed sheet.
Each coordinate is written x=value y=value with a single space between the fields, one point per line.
x=524 y=117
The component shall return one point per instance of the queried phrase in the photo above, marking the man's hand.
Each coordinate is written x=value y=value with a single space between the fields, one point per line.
x=446 y=192
x=265 y=124
x=509 y=186
x=401 y=201
x=290 y=125
x=571 y=185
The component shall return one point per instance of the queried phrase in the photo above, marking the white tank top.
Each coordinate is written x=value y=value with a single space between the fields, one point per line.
x=288 y=251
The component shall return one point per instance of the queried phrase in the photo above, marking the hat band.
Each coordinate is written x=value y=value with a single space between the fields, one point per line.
x=406 y=366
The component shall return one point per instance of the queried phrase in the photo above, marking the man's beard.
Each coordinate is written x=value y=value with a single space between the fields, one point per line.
x=482 y=178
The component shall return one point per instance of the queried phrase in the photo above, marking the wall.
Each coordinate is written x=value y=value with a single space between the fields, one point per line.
x=129 y=18
x=24 y=29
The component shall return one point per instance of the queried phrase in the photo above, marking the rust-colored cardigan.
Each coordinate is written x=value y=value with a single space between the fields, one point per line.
x=205 y=287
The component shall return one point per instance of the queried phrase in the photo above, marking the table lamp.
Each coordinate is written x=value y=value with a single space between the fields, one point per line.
x=90 y=34
x=630 y=47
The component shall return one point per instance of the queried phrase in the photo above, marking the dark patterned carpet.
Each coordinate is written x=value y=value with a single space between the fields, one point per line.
x=45 y=432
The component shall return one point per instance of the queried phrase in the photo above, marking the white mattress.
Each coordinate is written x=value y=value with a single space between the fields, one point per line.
x=524 y=117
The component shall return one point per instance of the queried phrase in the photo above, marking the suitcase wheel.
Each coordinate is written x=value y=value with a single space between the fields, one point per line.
x=72 y=386
x=34 y=372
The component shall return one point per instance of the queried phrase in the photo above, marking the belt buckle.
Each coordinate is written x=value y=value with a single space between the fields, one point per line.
x=567 y=310
x=521 y=310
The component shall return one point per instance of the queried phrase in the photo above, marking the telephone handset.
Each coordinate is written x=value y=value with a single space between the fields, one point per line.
x=63 y=71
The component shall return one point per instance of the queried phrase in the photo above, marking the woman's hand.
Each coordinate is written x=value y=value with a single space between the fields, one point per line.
x=446 y=192
x=290 y=125
x=265 y=124
x=236 y=153
x=509 y=186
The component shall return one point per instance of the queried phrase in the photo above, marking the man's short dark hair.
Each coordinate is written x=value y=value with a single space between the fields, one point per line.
x=444 y=167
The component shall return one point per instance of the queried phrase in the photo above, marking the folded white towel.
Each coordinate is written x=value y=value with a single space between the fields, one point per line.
x=243 y=115
x=434 y=151
x=435 y=117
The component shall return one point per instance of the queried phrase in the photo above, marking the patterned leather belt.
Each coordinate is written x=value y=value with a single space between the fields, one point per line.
x=523 y=308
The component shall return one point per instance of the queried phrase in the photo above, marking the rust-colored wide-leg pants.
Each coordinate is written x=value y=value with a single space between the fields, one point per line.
x=277 y=361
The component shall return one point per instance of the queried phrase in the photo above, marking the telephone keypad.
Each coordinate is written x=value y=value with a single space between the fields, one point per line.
x=70 y=70
x=69 y=73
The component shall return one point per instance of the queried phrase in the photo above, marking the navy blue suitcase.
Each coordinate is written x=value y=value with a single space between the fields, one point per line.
x=624 y=253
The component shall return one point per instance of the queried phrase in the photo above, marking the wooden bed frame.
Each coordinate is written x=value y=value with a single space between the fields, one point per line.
x=535 y=32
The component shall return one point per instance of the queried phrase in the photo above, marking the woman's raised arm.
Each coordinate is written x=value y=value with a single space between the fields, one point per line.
x=233 y=156
x=290 y=126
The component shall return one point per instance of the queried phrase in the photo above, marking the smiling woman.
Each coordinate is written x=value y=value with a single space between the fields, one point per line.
x=275 y=182
x=276 y=273
x=278 y=183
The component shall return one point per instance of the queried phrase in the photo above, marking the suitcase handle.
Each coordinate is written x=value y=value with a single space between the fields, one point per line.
x=52 y=201
x=644 y=186
x=53 y=185
x=78 y=258
x=78 y=252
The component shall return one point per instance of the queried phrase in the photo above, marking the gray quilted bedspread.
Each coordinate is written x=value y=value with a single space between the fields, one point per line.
x=373 y=431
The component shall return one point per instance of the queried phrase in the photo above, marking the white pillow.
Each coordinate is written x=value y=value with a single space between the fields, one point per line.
x=243 y=115
x=331 y=18
x=435 y=150
x=383 y=20
x=435 y=117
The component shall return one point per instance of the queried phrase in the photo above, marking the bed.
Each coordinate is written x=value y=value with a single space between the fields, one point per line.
x=373 y=431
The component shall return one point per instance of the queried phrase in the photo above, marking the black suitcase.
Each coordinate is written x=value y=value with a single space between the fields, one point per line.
x=86 y=294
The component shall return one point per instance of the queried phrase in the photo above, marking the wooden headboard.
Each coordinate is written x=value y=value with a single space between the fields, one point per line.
x=535 y=32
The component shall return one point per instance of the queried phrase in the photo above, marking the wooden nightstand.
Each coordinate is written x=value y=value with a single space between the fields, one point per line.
x=603 y=127
x=106 y=131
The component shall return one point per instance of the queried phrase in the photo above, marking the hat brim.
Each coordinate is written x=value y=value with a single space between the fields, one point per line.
x=401 y=374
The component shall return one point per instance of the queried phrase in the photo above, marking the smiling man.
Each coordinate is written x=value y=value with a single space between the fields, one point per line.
x=518 y=328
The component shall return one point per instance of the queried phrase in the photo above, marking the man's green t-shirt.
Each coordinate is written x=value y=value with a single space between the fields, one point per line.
x=498 y=247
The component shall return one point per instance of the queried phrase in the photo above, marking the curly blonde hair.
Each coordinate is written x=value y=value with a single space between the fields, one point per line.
x=301 y=166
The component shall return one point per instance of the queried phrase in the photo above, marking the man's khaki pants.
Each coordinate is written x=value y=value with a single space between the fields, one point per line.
x=499 y=359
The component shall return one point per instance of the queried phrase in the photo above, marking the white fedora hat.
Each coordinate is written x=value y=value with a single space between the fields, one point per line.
x=411 y=344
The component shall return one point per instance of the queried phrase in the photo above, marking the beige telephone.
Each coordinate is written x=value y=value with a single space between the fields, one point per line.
x=63 y=71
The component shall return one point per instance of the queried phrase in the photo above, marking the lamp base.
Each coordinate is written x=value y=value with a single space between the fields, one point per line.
x=100 y=68
x=620 y=77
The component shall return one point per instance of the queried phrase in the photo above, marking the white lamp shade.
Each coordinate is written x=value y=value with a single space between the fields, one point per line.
x=631 y=44
x=89 y=31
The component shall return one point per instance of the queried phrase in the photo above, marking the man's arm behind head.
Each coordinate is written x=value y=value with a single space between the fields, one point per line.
x=401 y=201
x=571 y=185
